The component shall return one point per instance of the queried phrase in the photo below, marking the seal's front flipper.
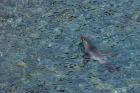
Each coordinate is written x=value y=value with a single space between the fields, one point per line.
x=86 y=59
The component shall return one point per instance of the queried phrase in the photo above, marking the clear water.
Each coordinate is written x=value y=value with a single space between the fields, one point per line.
x=40 y=41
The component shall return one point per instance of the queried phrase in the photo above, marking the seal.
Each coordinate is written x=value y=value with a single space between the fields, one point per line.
x=91 y=52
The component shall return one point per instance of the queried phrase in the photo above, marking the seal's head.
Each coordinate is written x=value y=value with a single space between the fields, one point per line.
x=88 y=44
x=85 y=40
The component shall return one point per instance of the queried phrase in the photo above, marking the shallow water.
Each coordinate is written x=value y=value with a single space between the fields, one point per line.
x=40 y=46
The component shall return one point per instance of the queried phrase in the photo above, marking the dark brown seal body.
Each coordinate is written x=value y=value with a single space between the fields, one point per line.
x=91 y=52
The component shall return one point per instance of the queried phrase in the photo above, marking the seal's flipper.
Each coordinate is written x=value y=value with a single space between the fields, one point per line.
x=86 y=59
x=110 y=67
